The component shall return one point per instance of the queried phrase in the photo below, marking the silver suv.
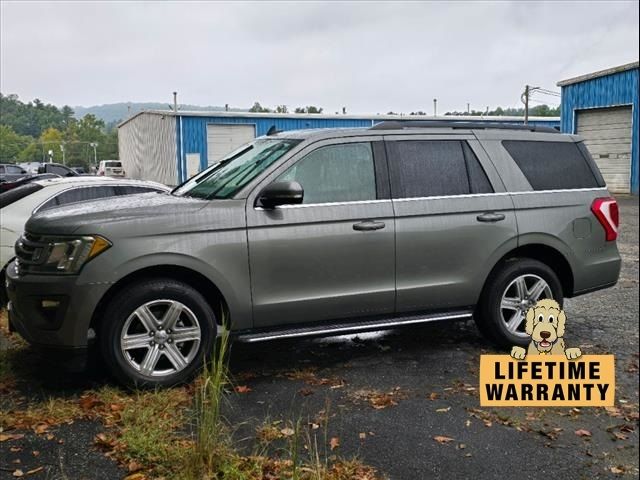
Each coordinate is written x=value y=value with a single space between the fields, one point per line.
x=318 y=232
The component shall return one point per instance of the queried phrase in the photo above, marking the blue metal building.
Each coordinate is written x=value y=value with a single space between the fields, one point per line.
x=603 y=108
x=169 y=147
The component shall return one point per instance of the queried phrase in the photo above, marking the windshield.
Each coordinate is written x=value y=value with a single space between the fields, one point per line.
x=112 y=164
x=236 y=170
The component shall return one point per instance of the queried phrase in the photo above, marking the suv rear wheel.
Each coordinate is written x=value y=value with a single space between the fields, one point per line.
x=157 y=333
x=510 y=291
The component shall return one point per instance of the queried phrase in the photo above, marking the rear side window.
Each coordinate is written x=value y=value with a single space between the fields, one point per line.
x=554 y=165
x=18 y=193
x=79 y=195
x=431 y=168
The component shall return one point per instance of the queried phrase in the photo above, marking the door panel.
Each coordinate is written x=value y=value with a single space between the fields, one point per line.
x=446 y=243
x=310 y=264
x=331 y=259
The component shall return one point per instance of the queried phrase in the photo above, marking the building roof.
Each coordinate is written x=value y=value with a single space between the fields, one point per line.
x=322 y=116
x=600 y=73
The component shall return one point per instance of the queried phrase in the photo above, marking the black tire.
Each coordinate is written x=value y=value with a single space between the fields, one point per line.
x=120 y=313
x=488 y=314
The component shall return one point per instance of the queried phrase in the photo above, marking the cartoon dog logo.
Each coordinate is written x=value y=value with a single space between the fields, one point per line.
x=545 y=323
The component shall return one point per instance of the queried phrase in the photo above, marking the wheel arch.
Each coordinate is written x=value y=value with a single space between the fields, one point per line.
x=207 y=288
x=550 y=256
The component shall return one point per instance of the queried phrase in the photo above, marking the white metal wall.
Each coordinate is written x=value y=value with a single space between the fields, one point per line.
x=222 y=139
x=607 y=134
x=147 y=147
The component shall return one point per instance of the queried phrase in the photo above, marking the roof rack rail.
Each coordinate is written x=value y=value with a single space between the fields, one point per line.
x=403 y=124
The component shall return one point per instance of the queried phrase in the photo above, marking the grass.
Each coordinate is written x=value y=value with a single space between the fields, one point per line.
x=179 y=433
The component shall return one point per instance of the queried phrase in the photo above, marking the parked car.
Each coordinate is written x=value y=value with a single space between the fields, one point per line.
x=5 y=186
x=57 y=169
x=321 y=232
x=17 y=205
x=10 y=172
x=31 y=167
x=111 y=168
x=80 y=170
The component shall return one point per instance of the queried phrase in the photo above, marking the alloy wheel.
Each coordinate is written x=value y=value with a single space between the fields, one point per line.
x=520 y=295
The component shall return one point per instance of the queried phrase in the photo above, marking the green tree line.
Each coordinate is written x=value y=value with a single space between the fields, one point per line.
x=29 y=131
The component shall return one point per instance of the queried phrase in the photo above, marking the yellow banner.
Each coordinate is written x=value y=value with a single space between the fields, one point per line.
x=547 y=381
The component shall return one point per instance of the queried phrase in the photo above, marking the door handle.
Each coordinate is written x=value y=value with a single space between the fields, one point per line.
x=490 y=217
x=368 y=226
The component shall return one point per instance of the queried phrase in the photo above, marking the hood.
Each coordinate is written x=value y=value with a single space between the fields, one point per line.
x=97 y=215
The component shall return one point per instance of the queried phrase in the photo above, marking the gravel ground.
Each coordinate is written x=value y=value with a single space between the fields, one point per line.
x=386 y=395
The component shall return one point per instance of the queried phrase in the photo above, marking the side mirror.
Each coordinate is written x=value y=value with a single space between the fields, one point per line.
x=280 y=193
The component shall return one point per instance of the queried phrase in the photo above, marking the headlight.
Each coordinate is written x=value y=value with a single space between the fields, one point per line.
x=61 y=255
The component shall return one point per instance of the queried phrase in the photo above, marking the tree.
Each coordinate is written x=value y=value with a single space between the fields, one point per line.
x=309 y=109
x=282 y=109
x=51 y=140
x=11 y=144
x=257 y=108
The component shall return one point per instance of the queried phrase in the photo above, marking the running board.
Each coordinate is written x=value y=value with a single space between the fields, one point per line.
x=351 y=327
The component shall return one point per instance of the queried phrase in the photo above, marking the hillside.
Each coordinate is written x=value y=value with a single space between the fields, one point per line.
x=114 y=112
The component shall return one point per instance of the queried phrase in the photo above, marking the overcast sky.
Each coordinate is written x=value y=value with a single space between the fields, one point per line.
x=370 y=57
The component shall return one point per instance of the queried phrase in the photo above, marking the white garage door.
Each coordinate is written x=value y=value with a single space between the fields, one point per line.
x=607 y=134
x=222 y=139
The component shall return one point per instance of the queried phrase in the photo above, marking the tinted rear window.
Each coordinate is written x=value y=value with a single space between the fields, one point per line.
x=429 y=168
x=554 y=165
x=7 y=198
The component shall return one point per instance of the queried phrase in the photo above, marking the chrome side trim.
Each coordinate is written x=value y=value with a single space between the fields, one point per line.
x=499 y=194
x=386 y=324
x=328 y=204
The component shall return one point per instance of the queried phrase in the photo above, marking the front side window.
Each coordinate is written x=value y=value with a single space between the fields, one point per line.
x=237 y=170
x=336 y=173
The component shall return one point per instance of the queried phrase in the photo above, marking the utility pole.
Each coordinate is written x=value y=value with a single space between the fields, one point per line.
x=525 y=97
x=62 y=150
x=95 y=153
x=175 y=102
x=435 y=107
x=468 y=104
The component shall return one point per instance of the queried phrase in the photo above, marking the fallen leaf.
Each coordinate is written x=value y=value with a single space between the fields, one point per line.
x=583 y=433
x=334 y=442
x=442 y=439
x=18 y=473
x=443 y=410
x=90 y=401
x=461 y=446
x=35 y=470
x=41 y=428
x=242 y=389
x=617 y=470
x=10 y=436
x=15 y=449
x=134 y=466
x=287 y=432
x=35 y=453
x=305 y=392
x=135 y=476
x=433 y=396
x=362 y=435
x=620 y=436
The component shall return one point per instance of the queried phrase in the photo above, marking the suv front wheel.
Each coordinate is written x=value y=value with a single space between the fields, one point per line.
x=511 y=290
x=157 y=333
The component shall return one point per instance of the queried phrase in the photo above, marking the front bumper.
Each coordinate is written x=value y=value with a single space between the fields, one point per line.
x=52 y=311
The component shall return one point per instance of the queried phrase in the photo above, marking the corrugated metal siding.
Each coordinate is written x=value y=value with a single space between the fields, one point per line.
x=147 y=148
x=609 y=91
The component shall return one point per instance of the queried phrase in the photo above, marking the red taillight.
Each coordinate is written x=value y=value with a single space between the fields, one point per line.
x=606 y=211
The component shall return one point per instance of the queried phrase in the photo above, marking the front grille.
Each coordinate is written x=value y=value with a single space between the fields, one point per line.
x=30 y=249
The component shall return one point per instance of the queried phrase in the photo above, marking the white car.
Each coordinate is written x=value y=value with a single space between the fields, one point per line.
x=18 y=204
x=111 y=168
